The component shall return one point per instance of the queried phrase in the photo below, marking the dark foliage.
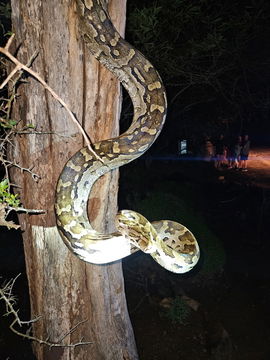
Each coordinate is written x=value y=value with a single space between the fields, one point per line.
x=214 y=59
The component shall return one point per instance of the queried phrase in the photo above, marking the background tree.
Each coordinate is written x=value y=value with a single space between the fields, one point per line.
x=64 y=290
x=214 y=59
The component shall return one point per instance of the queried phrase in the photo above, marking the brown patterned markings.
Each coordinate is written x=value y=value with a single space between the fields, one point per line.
x=137 y=72
x=102 y=15
x=154 y=107
x=190 y=248
x=74 y=167
x=143 y=120
x=89 y=4
x=102 y=38
x=131 y=53
x=153 y=86
x=147 y=66
x=187 y=236
x=116 y=148
x=62 y=184
x=114 y=41
x=87 y=156
x=149 y=131
x=185 y=248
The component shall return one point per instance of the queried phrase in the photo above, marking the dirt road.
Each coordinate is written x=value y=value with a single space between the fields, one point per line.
x=259 y=167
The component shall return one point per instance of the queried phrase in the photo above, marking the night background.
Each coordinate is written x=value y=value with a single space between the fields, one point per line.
x=214 y=59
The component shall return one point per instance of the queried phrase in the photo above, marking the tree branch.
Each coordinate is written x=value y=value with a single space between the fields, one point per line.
x=19 y=66
x=10 y=300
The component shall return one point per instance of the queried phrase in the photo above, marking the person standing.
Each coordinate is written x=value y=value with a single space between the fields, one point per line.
x=207 y=149
x=235 y=151
x=220 y=151
x=245 y=148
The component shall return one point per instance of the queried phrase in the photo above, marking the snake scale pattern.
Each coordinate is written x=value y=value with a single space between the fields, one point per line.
x=171 y=244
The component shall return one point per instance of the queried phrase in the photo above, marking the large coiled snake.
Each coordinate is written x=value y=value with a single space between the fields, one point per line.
x=171 y=244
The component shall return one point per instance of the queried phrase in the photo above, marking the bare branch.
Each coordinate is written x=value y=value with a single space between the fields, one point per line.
x=20 y=66
x=27 y=211
x=8 y=163
x=9 y=299
x=33 y=132
x=46 y=342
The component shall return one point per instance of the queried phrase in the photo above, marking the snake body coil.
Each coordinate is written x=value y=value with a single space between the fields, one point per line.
x=171 y=244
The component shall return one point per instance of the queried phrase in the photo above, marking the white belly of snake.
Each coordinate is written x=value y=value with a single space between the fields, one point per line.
x=171 y=244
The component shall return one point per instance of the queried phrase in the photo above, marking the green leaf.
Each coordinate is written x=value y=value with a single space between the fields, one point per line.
x=6 y=197
x=3 y=186
x=12 y=122
x=31 y=126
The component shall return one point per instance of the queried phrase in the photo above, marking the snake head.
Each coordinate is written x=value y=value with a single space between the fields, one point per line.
x=137 y=229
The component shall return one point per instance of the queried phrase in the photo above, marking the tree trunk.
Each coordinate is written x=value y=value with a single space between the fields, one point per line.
x=63 y=289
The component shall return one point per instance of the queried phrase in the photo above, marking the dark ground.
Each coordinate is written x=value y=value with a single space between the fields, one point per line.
x=223 y=304
x=229 y=314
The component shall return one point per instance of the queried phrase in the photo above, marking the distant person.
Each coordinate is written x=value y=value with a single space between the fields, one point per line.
x=220 y=152
x=230 y=153
x=245 y=148
x=207 y=149
x=235 y=151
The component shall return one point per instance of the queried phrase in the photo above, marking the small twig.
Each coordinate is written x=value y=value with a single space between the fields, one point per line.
x=8 y=44
x=15 y=185
x=19 y=66
x=71 y=331
x=28 y=132
x=8 y=163
x=27 y=211
x=9 y=299
x=45 y=342
x=13 y=72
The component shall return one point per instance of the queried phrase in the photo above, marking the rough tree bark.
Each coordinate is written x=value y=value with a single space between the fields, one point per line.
x=63 y=289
